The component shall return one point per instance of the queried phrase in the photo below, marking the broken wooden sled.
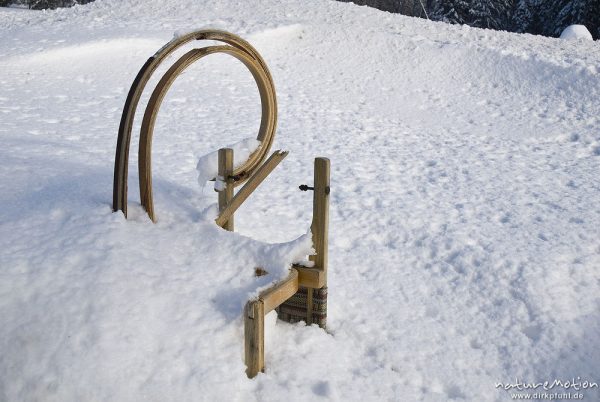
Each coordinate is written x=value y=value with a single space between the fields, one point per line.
x=302 y=296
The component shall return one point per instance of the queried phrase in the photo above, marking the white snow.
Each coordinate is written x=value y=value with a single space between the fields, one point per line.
x=575 y=32
x=473 y=259
x=220 y=183
x=208 y=164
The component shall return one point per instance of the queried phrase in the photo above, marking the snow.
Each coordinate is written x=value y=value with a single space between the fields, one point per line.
x=220 y=183
x=207 y=165
x=464 y=223
x=575 y=32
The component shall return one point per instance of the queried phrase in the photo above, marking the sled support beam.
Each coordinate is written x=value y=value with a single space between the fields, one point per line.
x=254 y=334
x=320 y=223
x=319 y=228
x=254 y=181
x=254 y=321
x=310 y=303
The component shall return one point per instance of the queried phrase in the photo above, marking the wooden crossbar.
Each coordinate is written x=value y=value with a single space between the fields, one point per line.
x=280 y=292
x=254 y=181
x=308 y=277
x=313 y=278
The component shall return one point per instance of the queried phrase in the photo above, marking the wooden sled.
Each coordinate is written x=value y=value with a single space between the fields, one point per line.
x=293 y=297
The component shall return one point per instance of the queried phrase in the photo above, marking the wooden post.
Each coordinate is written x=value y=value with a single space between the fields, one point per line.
x=254 y=335
x=225 y=172
x=319 y=227
x=254 y=320
x=320 y=223
x=310 y=302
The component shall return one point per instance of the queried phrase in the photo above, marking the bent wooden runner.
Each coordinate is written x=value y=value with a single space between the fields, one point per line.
x=238 y=48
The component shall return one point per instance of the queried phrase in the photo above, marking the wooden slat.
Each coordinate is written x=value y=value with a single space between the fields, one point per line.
x=320 y=226
x=225 y=171
x=308 y=277
x=250 y=186
x=254 y=336
x=280 y=292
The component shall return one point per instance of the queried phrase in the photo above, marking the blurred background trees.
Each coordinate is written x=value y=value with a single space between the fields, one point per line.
x=43 y=4
x=541 y=17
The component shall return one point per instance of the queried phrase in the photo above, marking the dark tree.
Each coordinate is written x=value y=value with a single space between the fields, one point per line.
x=413 y=8
x=44 y=4
x=565 y=13
x=542 y=17
x=491 y=14
x=551 y=17
x=452 y=11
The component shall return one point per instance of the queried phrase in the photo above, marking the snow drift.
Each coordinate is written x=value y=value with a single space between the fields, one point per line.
x=574 y=32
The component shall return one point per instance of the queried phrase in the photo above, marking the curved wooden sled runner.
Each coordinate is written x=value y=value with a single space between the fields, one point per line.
x=238 y=48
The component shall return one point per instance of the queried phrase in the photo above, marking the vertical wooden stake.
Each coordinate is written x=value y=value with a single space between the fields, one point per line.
x=320 y=224
x=254 y=335
x=224 y=173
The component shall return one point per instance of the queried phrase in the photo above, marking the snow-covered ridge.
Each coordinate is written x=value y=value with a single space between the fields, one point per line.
x=464 y=227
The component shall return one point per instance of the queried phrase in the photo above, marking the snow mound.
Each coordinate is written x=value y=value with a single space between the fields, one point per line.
x=575 y=32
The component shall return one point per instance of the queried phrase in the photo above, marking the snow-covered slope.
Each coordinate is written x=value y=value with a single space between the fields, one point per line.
x=465 y=218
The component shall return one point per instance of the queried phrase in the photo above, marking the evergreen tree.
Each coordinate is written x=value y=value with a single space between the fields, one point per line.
x=550 y=18
x=43 y=4
x=564 y=13
x=452 y=11
x=522 y=16
x=491 y=14
x=541 y=17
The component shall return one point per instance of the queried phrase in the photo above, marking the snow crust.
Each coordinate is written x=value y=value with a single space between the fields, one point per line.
x=575 y=32
x=464 y=223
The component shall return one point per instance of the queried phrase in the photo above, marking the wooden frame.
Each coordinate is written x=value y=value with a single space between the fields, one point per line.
x=301 y=279
x=303 y=306
x=254 y=321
